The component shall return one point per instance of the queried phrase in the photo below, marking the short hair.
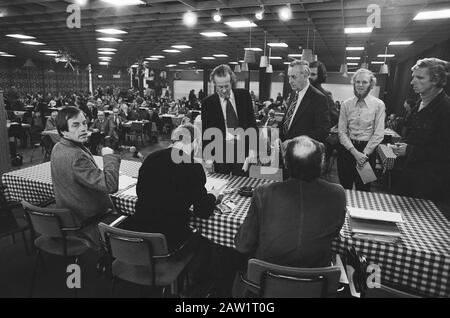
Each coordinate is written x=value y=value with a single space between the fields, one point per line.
x=304 y=158
x=437 y=68
x=101 y=112
x=63 y=117
x=301 y=63
x=222 y=71
x=186 y=129
x=321 y=71
x=373 y=79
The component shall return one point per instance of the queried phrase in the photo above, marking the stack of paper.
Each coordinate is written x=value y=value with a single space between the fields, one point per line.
x=215 y=184
x=375 y=225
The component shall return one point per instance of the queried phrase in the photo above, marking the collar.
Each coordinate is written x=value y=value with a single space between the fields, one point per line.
x=232 y=100
x=69 y=142
x=365 y=99
x=303 y=91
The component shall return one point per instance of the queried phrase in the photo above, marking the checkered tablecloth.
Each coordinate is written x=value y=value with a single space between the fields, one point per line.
x=419 y=261
x=387 y=157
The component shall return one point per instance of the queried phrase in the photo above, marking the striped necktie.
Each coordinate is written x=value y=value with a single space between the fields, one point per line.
x=232 y=120
x=289 y=114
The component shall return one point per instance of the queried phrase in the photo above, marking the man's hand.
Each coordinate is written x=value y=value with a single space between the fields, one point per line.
x=107 y=151
x=400 y=149
x=359 y=157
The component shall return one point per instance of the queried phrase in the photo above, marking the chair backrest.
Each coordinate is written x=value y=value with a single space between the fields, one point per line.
x=131 y=247
x=387 y=292
x=277 y=281
x=269 y=173
x=48 y=221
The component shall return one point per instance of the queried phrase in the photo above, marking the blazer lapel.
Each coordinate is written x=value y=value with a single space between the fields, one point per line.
x=219 y=112
x=303 y=105
x=240 y=110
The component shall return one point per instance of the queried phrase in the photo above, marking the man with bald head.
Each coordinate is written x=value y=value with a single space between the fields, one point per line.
x=293 y=222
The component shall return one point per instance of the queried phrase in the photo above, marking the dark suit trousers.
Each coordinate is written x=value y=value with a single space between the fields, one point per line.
x=346 y=164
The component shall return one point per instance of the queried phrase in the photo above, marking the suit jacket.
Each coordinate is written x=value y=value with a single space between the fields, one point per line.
x=51 y=125
x=165 y=192
x=293 y=223
x=311 y=119
x=104 y=127
x=78 y=183
x=212 y=115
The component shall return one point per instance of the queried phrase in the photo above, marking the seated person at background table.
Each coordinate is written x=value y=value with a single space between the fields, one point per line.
x=117 y=121
x=279 y=100
x=426 y=150
x=270 y=121
x=51 y=125
x=78 y=183
x=391 y=123
x=166 y=190
x=293 y=223
x=361 y=130
x=105 y=127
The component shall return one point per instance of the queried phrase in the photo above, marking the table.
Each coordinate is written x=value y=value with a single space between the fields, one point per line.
x=419 y=261
x=176 y=120
x=9 y=124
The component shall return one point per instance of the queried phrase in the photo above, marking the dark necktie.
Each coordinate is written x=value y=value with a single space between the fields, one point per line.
x=289 y=114
x=232 y=120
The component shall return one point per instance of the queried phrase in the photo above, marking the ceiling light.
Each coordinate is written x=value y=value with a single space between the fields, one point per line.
x=354 y=48
x=47 y=51
x=171 y=65
x=358 y=30
x=7 y=55
x=103 y=63
x=400 y=42
x=190 y=18
x=352 y=64
x=220 y=55
x=385 y=55
x=256 y=49
x=106 y=49
x=1 y=53
x=233 y=63
x=240 y=24
x=21 y=36
x=152 y=59
x=32 y=43
x=213 y=34
x=172 y=51
x=275 y=58
x=260 y=14
x=51 y=54
x=285 y=13
x=216 y=16
x=431 y=15
x=294 y=55
x=158 y=56
x=109 y=39
x=287 y=63
x=111 y=31
x=191 y=62
x=355 y=58
x=377 y=62
x=106 y=53
x=183 y=63
x=81 y=2
x=124 y=2
x=281 y=44
x=208 y=58
x=182 y=47
x=105 y=58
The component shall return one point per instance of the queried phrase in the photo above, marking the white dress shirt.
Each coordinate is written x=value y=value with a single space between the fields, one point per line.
x=301 y=94
x=223 y=103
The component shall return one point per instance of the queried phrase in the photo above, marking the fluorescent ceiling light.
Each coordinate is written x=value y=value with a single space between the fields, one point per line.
x=358 y=30
x=106 y=49
x=241 y=61
x=275 y=58
x=355 y=58
x=21 y=36
x=432 y=15
x=277 y=44
x=213 y=34
x=51 y=54
x=1 y=53
x=105 y=58
x=171 y=65
x=377 y=62
x=385 y=55
x=208 y=58
x=103 y=63
x=182 y=47
x=352 y=64
x=355 y=48
x=287 y=63
x=124 y=2
x=183 y=63
x=400 y=42
x=233 y=63
x=172 y=51
x=191 y=62
x=47 y=51
x=111 y=31
x=106 y=53
x=220 y=55
x=240 y=24
x=7 y=55
x=152 y=59
x=32 y=43
x=109 y=39
x=158 y=56
x=256 y=49
x=294 y=55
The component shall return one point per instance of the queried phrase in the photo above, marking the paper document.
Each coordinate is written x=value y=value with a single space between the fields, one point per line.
x=215 y=183
x=366 y=173
x=131 y=192
x=375 y=215
x=125 y=181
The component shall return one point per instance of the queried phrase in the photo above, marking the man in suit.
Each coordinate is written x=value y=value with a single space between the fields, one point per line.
x=307 y=112
x=106 y=129
x=51 y=125
x=226 y=110
x=78 y=183
x=294 y=222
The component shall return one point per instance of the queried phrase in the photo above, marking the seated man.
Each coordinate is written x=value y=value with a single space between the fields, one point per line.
x=293 y=223
x=78 y=183
x=51 y=125
x=106 y=129
x=166 y=190
x=271 y=121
